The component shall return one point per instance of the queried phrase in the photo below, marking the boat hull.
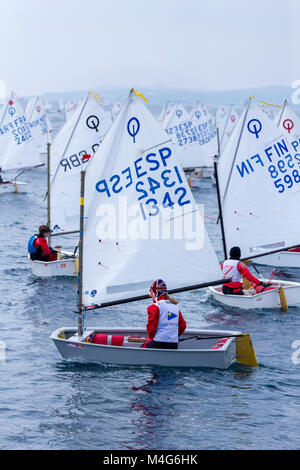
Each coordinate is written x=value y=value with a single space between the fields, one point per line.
x=191 y=353
x=63 y=267
x=16 y=187
x=284 y=259
x=269 y=299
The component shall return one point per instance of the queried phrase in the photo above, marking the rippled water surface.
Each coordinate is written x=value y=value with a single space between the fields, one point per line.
x=46 y=403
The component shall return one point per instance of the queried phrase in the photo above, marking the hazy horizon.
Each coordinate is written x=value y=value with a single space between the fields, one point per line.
x=76 y=45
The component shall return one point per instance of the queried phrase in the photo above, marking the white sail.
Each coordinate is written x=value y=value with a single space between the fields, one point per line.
x=40 y=125
x=288 y=121
x=115 y=110
x=70 y=108
x=259 y=177
x=206 y=132
x=165 y=112
x=135 y=190
x=185 y=136
x=81 y=135
x=18 y=149
x=226 y=120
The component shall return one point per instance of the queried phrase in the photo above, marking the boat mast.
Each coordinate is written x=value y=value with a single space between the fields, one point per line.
x=236 y=150
x=219 y=196
x=282 y=111
x=71 y=136
x=4 y=112
x=80 y=306
x=224 y=129
x=48 y=189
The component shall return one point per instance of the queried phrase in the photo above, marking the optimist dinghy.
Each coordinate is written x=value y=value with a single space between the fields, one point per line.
x=18 y=150
x=14 y=187
x=288 y=123
x=71 y=151
x=115 y=267
x=67 y=266
x=197 y=348
x=285 y=294
x=258 y=192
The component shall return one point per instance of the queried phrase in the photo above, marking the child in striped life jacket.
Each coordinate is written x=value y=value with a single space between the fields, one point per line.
x=234 y=268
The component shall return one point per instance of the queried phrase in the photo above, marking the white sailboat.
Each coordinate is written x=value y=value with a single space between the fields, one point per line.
x=207 y=136
x=71 y=151
x=115 y=110
x=40 y=125
x=164 y=115
x=259 y=182
x=70 y=108
x=136 y=181
x=226 y=119
x=18 y=150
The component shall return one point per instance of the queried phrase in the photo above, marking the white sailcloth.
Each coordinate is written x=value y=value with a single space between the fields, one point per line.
x=288 y=121
x=226 y=120
x=39 y=123
x=185 y=136
x=259 y=173
x=81 y=135
x=206 y=132
x=70 y=108
x=165 y=112
x=115 y=110
x=18 y=149
x=136 y=191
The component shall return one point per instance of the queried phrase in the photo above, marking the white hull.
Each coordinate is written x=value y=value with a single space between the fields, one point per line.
x=63 y=267
x=268 y=299
x=190 y=353
x=16 y=187
x=284 y=259
x=195 y=178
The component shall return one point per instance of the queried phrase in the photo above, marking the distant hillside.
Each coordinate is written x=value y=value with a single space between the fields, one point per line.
x=157 y=97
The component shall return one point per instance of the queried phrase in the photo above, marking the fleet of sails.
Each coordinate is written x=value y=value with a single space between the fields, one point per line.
x=141 y=220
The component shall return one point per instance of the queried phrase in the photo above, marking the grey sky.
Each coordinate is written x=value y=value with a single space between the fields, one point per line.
x=64 y=45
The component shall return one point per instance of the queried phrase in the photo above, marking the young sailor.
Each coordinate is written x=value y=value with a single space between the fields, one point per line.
x=38 y=246
x=233 y=268
x=165 y=321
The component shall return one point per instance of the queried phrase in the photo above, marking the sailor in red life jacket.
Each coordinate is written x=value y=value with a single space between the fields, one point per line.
x=165 y=321
x=233 y=268
x=43 y=251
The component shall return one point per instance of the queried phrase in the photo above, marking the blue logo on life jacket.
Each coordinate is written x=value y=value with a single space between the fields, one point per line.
x=31 y=247
x=171 y=316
